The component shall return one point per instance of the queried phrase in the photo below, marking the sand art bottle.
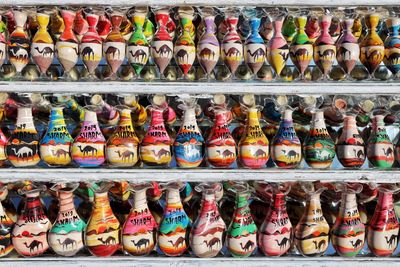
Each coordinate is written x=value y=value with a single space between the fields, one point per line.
x=380 y=150
x=6 y=225
x=392 y=46
x=3 y=42
x=254 y=47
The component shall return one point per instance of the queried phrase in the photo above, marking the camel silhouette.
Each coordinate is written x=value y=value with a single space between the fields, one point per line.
x=357 y=244
x=34 y=245
x=319 y=245
x=66 y=242
x=232 y=52
x=212 y=242
x=207 y=53
x=388 y=151
x=111 y=50
x=327 y=54
x=291 y=154
x=88 y=149
x=60 y=152
x=109 y=241
x=162 y=152
x=247 y=246
x=139 y=55
x=46 y=51
x=226 y=154
x=126 y=155
x=87 y=52
x=181 y=55
x=374 y=54
x=358 y=154
x=164 y=49
x=22 y=152
x=259 y=153
x=391 y=241
x=300 y=53
x=257 y=53
x=142 y=242
x=284 y=242
x=178 y=242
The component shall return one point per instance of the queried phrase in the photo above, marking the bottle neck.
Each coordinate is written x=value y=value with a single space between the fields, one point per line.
x=140 y=199
x=126 y=119
x=209 y=24
x=25 y=119
x=56 y=118
x=173 y=196
x=242 y=200
x=66 y=201
x=277 y=26
x=385 y=200
x=318 y=120
x=157 y=117
x=101 y=200
x=279 y=202
x=349 y=202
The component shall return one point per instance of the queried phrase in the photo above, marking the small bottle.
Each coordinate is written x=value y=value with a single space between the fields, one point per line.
x=380 y=150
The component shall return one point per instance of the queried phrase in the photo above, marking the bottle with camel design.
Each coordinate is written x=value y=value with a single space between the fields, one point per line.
x=29 y=235
x=102 y=237
x=42 y=48
x=241 y=237
x=3 y=42
x=253 y=146
x=173 y=229
x=348 y=232
x=56 y=143
x=319 y=148
x=66 y=235
x=89 y=144
x=107 y=114
x=392 y=44
x=140 y=228
x=286 y=146
x=189 y=143
x=22 y=148
x=380 y=150
x=67 y=45
x=206 y=236
x=6 y=225
x=3 y=138
x=275 y=233
x=122 y=146
x=383 y=229
x=312 y=231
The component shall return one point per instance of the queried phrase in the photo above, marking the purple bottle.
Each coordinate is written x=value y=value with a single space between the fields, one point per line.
x=208 y=47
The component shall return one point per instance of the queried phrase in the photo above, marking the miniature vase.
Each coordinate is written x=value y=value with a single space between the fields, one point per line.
x=114 y=46
x=348 y=50
x=254 y=47
x=6 y=225
x=301 y=48
x=392 y=46
x=91 y=48
x=232 y=47
x=277 y=48
x=19 y=42
x=380 y=150
x=208 y=49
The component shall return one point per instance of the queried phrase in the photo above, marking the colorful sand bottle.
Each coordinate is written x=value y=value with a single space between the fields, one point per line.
x=66 y=235
x=348 y=232
x=350 y=147
x=88 y=147
x=254 y=47
x=140 y=228
x=56 y=143
x=241 y=236
x=324 y=48
x=289 y=28
x=206 y=233
x=392 y=46
x=319 y=148
x=162 y=46
x=67 y=45
x=286 y=146
x=81 y=25
x=275 y=234
x=313 y=28
x=23 y=145
x=253 y=147
x=312 y=232
x=174 y=224
x=104 y=26
x=42 y=47
x=6 y=225
x=3 y=42
x=29 y=235
x=102 y=237
x=380 y=150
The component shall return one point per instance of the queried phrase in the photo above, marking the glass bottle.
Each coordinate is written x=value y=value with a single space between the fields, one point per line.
x=380 y=150
x=275 y=234
x=103 y=26
x=6 y=225
x=174 y=224
x=88 y=147
x=29 y=235
x=102 y=234
x=3 y=42
x=254 y=47
x=312 y=231
x=56 y=143
x=253 y=147
x=140 y=228
x=23 y=145
x=313 y=28
x=66 y=235
x=122 y=146
x=286 y=146
x=289 y=28
x=206 y=233
x=42 y=47
x=392 y=46
x=348 y=232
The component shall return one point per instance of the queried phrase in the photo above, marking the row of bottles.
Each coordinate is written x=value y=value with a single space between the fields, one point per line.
x=304 y=35
x=136 y=229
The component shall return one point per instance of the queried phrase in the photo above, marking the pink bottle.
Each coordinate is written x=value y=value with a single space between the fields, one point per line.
x=90 y=47
x=232 y=47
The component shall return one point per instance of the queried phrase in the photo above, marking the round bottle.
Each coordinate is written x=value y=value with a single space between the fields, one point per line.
x=380 y=150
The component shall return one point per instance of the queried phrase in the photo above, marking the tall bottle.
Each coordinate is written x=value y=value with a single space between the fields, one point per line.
x=392 y=46
x=380 y=150
x=6 y=225
x=255 y=50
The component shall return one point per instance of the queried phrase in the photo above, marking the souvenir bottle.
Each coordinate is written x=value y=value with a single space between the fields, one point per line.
x=161 y=46
x=174 y=224
x=106 y=113
x=3 y=42
x=380 y=150
x=255 y=50
x=312 y=231
x=319 y=148
x=23 y=145
x=56 y=143
x=350 y=148
x=114 y=46
x=19 y=43
x=206 y=233
x=289 y=28
x=185 y=48
x=103 y=26
x=6 y=224
x=275 y=234
x=324 y=48
x=102 y=231
x=138 y=49
x=88 y=147
x=122 y=146
x=90 y=47
x=277 y=49
x=392 y=46
x=42 y=48
x=241 y=237
x=67 y=44
x=372 y=47
x=29 y=235
x=383 y=228
x=301 y=48
x=348 y=232
x=66 y=235
x=313 y=29
x=140 y=228
x=286 y=146
x=220 y=145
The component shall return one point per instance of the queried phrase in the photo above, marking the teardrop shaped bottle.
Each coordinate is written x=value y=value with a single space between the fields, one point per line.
x=6 y=225
x=392 y=46
x=91 y=46
x=232 y=47
x=278 y=49
x=255 y=49
x=380 y=151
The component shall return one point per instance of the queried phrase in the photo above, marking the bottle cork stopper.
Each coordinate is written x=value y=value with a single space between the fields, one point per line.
x=394 y=105
x=310 y=101
x=159 y=100
x=367 y=105
x=130 y=100
x=282 y=100
x=249 y=100
x=340 y=104
x=36 y=98
x=219 y=99
x=96 y=99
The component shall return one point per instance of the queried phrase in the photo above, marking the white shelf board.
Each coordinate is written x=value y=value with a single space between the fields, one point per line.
x=384 y=88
